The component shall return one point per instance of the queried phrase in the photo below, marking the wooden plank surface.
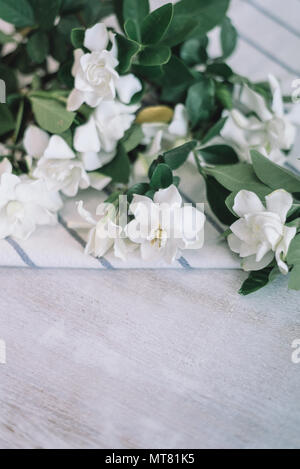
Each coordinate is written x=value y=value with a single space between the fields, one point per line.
x=159 y=360
x=156 y=359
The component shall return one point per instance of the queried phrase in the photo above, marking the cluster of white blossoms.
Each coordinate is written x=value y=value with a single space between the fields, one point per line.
x=25 y=203
x=261 y=233
x=270 y=131
x=58 y=166
x=161 y=228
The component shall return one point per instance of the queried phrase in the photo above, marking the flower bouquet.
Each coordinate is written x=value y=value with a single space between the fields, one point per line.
x=112 y=96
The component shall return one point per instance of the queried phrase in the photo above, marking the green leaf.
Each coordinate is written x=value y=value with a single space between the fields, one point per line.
x=224 y=95
x=156 y=24
x=51 y=115
x=216 y=196
x=256 y=281
x=7 y=74
x=179 y=29
x=132 y=30
x=219 y=154
x=77 y=37
x=38 y=47
x=238 y=177
x=220 y=69
x=194 y=51
x=200 y=101
x=155 y=56
x=214 y=131
x=134 y=12
x=127 y=51
x=72 y=6
x=17 y=12
x=45 y=12
x=293 y=257
x=133 y=137
x=229 y=37
x=273 y=175
x=162 y=177
x=119 y=168
x=138 y=189
x=7 y=122
x=176 y=73
x=194 y=18
x=294 y=280
x=178 y=156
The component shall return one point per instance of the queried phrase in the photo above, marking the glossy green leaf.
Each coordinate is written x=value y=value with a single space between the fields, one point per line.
x=200 y=101
x=229 y=38
x=238 y=177
x=17 y=12
x=219 y=154
x=273 y=175
x=214 y=131
x=77 y=37
x=127 y=51
x=256 y=281
x=152 y=56
x=38 y=47
x=45 y=12
x=216 y=197
x=178 y=156
x=7 y=122
x=156 y=24
x=162 y=177
x=133 y=137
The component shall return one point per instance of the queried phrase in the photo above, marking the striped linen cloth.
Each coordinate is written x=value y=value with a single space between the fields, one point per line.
x=269 y=43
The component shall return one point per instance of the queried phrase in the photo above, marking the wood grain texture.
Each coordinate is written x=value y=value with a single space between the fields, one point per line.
x=155 y=359
x=158 y=360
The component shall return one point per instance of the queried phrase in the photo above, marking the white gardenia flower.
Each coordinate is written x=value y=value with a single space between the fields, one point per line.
x=163 y=227
x=97 y=140
x=96 y=78
x=271 y=131
x=261 y=233
x=105 y=234
x=160 y=136
x=24 y=204
x=60 y=168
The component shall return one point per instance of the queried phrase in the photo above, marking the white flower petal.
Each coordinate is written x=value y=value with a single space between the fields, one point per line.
x=255 y=102
x=277 y=106
x=250 y=264
x=87 y=216
x=96 y=38
x=99 y=181
x=283 y=248
x=75 y=100
x=58 y=149
x=280 y=202
x=170 y=196
x=86 y=138
x=5 y=167
x=35 y=141
x=180 y=123
x=127 y=86
x=247 y=203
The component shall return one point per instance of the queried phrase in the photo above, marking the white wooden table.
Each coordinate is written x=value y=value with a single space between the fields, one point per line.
x=157 y=359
